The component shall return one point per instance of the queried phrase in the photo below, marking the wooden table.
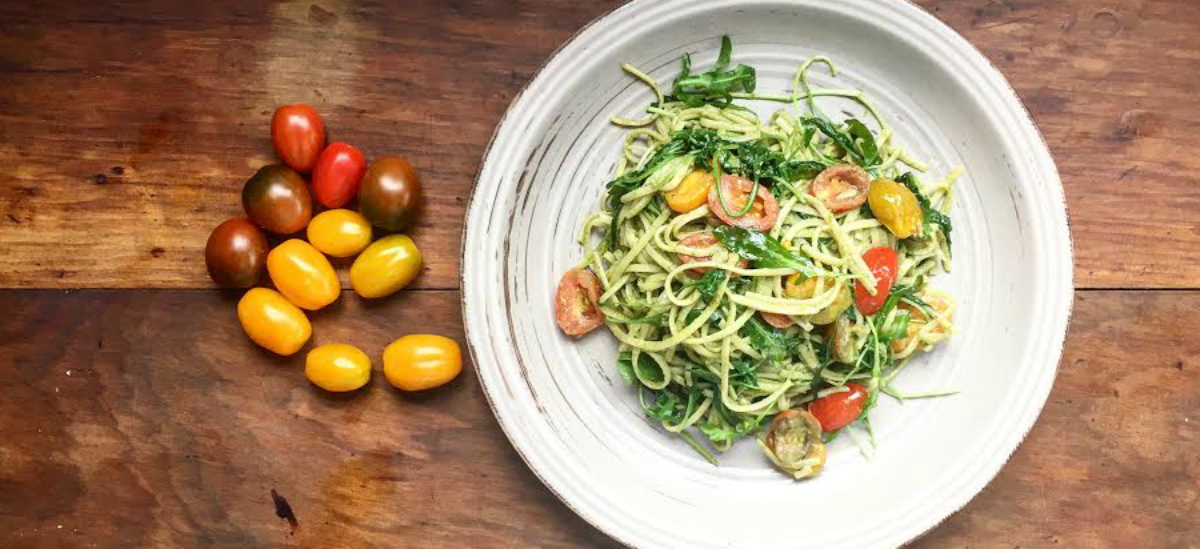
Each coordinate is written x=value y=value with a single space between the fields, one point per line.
x=133 y=413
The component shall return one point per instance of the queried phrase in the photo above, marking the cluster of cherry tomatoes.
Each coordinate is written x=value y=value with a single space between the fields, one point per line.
x=278 y=200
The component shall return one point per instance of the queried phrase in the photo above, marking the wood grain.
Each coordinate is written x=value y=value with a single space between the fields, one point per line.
x=127 y=129
x=134 y=426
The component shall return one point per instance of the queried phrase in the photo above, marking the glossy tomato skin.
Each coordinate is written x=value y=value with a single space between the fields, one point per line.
x=298 y=135
x=236 y=253
x=339 y=233
x=389 y=194
x=385 y=267
x=273 y=322
x=884 y=264
x=337 y=173
x=839 y=409
x=420 y=362
x=302 y=274
x=337 y=367
x=277 y=199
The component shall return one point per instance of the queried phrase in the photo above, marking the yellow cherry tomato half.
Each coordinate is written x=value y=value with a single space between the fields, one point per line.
x=273 y=322
x=337 y=367
x=895 y=206
x=339 y=233
x=385 y=266
x=303 y=275
x=799 y=286
x=419 y=362
x=691 y=193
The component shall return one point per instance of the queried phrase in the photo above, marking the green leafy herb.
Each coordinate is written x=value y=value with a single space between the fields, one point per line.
x=867 y=152
x=897 y=329
x=711 y=282
x=715 y=86
x=931 y=215
x=625 y=368
x=662 y=408
x=764 y=251
x=774 y=345
x=744 y=374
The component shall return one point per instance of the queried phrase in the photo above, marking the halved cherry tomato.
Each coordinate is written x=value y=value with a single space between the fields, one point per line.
x=895 y=206
x=419 y=362
x=883 y=262
x=336 y=174
x=794 y=443
x=839 y=409
x=298 y=135
x=272 y=321
x=691 y=192
x=841 y=188
x=777 y=320
x=736 y=191
x=701 y=241
x=577 y=303
x=302 y=274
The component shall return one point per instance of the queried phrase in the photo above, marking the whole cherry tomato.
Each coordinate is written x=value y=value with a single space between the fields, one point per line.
x=389 y=194
x=235 y=253
x=735 y=191
x=838 y=410
x=336 y=175
x=385 y=266
x=339 y=233
x=841 y=188
x=277 y=199
x=419 y=362
x=298 y=135
x=577 y=303
x=272 y=321
x=337 y=367
x=303 y=275
x=883 y=262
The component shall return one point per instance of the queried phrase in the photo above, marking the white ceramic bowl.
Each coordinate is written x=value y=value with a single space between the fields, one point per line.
x=562 y=403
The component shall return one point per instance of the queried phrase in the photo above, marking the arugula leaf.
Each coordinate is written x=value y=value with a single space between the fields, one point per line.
x=897 y=330
x=715 y=86
x=867 y=148
x=932 y=215
x=764 y=251
x=646 y=367
x=744 y=374
x=625 y=368
x=867 y=152
x=714 y=320
x=774 y=345
x=662 y=407
x=711 y=282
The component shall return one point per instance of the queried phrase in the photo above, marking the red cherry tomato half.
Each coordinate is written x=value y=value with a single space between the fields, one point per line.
x=702 y=241
x=839 y=409
x=841 y=188
x=336 y=175
x=736 y=190
x=577 y=303
x=298 y=135
x=777 y=320
x=883 y=263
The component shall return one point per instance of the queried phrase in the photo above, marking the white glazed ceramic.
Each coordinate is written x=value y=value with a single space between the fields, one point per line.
x=562 y=403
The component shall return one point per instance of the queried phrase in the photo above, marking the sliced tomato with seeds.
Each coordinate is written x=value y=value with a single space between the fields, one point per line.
x=841 y=188
x=884 y=264
x=577 y=303
x=838 y=410
x=736 y=191
x=702 y=241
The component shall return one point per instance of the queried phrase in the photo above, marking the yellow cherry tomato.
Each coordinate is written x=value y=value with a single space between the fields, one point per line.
x=691 y=193
x=385 y=266
x=339 y=233
x=337 y=367
x=799 y=286
x=303 y=275
x=273 y=322
x=895 y=206
x=419 y=362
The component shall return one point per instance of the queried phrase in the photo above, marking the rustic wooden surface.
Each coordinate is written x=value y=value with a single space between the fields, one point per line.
x=126 y=130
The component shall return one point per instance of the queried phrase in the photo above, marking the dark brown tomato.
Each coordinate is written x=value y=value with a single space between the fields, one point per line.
x=390 y=193
x=277 y=199
x=236 y=253
x=577 y=303
x=841 y=188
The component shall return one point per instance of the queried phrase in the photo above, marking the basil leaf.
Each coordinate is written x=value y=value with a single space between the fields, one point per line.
x=764 y=251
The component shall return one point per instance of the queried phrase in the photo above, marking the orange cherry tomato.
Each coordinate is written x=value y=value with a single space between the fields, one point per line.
x=298 y=135
x=736 y=191
x=691 y=193
x=303 y=275
x=419 y=362
x=883 y=262
x=339 y=233
x=272 y=321
x=337 y=367
x=839 y=409
x=841 y=188
x=577 y=303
